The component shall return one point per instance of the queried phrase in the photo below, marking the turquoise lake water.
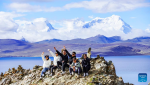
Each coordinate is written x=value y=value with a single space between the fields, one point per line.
x=128 y=67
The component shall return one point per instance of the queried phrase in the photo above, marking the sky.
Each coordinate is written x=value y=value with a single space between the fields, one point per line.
x=29 y=19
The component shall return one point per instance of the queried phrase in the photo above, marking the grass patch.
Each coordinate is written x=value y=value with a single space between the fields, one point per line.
x=91 y=84
x=52 y=78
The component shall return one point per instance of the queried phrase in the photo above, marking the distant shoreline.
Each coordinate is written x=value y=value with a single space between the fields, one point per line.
x=77 y=57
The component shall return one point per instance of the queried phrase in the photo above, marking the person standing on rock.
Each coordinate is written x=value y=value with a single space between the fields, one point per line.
x=64 y=60
x=86 y=65
x=70 y=56
x=46 y=64
x=56 y=58
x=75 y=67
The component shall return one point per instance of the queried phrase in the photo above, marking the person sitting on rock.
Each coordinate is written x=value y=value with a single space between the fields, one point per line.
x=64 y=60
x=86 y=65
x=75 y=67
x=70 y=56
x=56 y=58
x=46 y=64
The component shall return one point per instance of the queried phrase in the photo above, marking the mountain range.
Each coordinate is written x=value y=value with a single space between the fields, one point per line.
x=102 y=45
x=114 y=22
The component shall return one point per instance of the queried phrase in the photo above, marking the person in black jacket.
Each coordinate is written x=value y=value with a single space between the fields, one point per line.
x=70 y=56
x=86 y=65
x=64 y=60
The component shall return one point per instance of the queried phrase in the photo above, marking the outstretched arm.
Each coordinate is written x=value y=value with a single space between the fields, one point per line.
x=58 y=52
x=67 y=52
x=42 y=55
x=51 y=53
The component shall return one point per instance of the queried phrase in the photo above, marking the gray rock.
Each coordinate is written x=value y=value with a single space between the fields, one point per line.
x=2 y=74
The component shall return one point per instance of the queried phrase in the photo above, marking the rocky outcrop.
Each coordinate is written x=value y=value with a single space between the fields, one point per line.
x=102 y=73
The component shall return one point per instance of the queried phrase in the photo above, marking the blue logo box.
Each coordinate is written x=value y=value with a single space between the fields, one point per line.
x=142 y=77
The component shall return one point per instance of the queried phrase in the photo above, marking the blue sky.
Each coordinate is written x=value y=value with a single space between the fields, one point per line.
x=137 y=18
x=135 y=12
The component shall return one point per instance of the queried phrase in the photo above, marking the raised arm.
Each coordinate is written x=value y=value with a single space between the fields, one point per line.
x=58 y=52
x=67 y=52
x=42 y=55
x=51 y=53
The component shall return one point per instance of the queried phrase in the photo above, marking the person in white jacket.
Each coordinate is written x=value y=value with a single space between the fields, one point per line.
x=56 y=58
x=46 y=64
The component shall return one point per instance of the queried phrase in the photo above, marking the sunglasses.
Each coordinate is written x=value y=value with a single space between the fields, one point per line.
x=73 y=54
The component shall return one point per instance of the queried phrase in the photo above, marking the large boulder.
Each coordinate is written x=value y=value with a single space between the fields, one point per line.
x=111 y=69
x=101 y=66
x=19 y=69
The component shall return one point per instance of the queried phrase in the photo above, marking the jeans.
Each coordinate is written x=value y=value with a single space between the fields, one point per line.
x=44 y=70
x=79 y=70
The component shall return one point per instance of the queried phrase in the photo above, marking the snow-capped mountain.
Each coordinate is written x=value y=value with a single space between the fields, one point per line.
x=38 y=24
x=23 y=39
x=49 y=25
x=75 y=28
x=112 y=23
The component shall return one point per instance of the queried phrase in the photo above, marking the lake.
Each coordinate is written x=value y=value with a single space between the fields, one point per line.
x=128 y=67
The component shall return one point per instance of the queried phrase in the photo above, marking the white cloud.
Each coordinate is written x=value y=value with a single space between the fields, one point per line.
x=24 y=7
x=148 y=29
x=7 y=23
x=36 y=0
x=135 y=33
x=37 y=29
x=31 y=0
x=103 y=6
x=38 y=25
x=91 y=17
x=99 y=6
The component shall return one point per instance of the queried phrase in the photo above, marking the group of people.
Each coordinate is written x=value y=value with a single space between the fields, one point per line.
x=61 y=59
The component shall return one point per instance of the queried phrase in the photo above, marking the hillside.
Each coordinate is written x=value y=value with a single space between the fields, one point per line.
x=102 y=72
x=102 y=45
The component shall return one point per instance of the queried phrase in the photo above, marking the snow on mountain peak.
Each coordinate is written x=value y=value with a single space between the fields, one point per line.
x=115 y=16
x=44 y=20
x=38 y=24
x=113 y=22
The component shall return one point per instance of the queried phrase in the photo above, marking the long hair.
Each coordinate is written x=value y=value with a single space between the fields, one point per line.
x=84 y=55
